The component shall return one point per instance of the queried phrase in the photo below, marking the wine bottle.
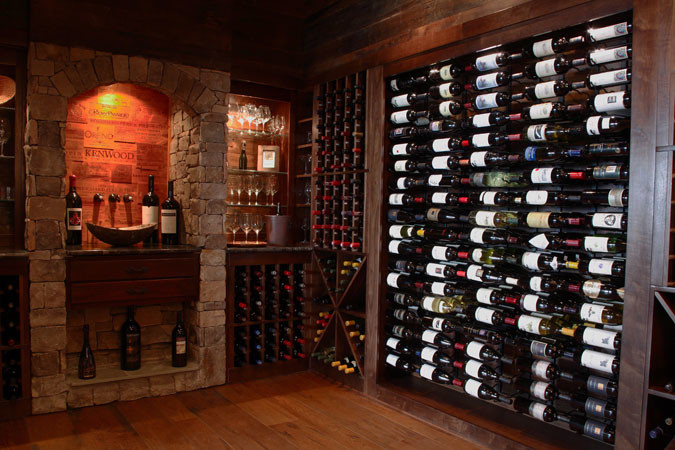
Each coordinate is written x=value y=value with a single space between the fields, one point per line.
x=496 y=179
x=541 y=390
x=492 y=80
x=610 y=78
x=538 y=368
x=398 y=362
x=550 y=67
x=437 y=375
x=478 y=350
x=610 y=102
x=73 y=214
x=483 y=391
x=179 y=343
x=593 y=384
x=535 y=325
x=548 y=110
x=490 y=119
x=591 y=428
x=243 y=162
x=605 y=125
x=492 y=61
x=86 y=367
x=610 y=221
x=433 y=356
x=538 y=410
x=150 y=210
x=592 y=406
x=598 y=266
x=495 y=219
x=481 y=140
x=608 y=32
x=477 y=369
x=447 y=72
x=131 y=342
x=551 y=46
x=419 y=118
x=492 y=100
x=664 y=430
x=170 y=218
x=608 y=55
x=594 y=360
x=548 y=89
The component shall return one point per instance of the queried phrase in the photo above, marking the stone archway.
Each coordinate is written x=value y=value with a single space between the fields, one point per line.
x=197 y=148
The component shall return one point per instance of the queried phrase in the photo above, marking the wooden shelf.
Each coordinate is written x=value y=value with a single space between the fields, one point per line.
x=149 y=369
x=254 y=172
x=305 y=120
x=301 y=146
x=304 y=175
x=661 y=393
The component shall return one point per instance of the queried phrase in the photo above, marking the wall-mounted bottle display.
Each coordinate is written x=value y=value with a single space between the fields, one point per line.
x=14 y=345
x=507 y=214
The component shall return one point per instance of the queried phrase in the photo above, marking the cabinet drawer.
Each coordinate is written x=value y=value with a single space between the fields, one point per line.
x=134 y=292
x=132 y=268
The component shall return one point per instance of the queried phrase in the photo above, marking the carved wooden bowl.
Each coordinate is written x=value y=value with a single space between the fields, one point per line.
x=121 y=237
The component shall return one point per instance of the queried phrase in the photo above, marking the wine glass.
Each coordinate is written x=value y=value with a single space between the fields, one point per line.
x=235 y=226
x=257 y=186
x=229 y=224
x=257 y=226
x=305 y=230
x=249 y=114
x=282 y=124
x=245 y=225
x=234 y=183
x=248 y=186
x=239 y=112
x=308 y=192
x=265 y=115
x=232 y=110
x=5 y=133
x=308 y=164
x=272 y=188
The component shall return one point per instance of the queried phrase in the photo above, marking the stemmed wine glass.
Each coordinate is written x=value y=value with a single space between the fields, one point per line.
x=271 y=188
x=305 y=230
x=245 y=225
x=257 y=226
x=234 y=183
x=257 y=186
x=308 y=192
x=249 y=114
x=230 y=224
x=239 y=110
x=5 y=133
x=235 y=226
x=265 y=115
x=248 y=186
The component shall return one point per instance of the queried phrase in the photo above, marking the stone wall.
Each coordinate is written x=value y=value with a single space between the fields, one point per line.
x=198 y=143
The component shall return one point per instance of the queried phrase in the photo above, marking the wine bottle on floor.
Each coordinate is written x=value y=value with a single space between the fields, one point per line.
x=179 y=343
x=86 y=368
x=131 y=342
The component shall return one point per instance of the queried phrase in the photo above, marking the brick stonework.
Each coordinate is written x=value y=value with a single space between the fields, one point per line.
x=198 y=133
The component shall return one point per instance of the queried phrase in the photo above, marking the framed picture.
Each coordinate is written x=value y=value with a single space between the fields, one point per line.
x=268 y=158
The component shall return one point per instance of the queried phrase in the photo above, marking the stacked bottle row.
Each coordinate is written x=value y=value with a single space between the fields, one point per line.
x=11 y=375
x=507 y=219
x=339 y=154
x=10 y=326
x=269 y=313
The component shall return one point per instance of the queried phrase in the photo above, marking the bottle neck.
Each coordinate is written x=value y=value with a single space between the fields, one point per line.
x=170 y=195
x=179 y=319
x=151 y=183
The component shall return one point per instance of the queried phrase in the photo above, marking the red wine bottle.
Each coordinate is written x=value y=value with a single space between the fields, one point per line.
x=179 y=343
x=170 y=218
x=86 y=367
x=150 y=210
x=73 y=215
x=131 y=342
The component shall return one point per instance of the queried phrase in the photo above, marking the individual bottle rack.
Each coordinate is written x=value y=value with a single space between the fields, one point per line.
x=507 y=210
x=268 y=318
x=338 y=163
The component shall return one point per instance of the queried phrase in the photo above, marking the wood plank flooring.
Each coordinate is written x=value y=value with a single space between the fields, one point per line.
x=299 y=411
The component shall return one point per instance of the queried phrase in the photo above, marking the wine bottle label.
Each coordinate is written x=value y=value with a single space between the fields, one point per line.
x=432 y=214
x=535 y=283
x=400 y=101
x=543 y=48
x=401 y=183
x=150 y=214
x=435 y=270
x=597 y=361
x=529 y=302
x=542 y=175
x=445 y=108
x=477 y=254
x=437 y=324
x=529 y=324
x=612 y=31
x=440 y=145
x=538 y=219
x=487 y=62
x=530 y=260
x=393 y=246
x=428 y=354
x=473 y=349
x=539 y=349
x=537 y=410
x=474 y=272
x=392 y=342
x=396 y=199
x=395 y=231
x=400 y=314
x=477 y=159
x=393 y=84
x=485 y=218
x=436 y=125
x=594 y=429
x=544 y=69
x=607 y=220
x=545 y=90
x=440 y=162
x=422 y=121
x=541 y=111
x=600 y=266
x=481 y=140
x=400 y=117
x=485 y=315
x=608 y=55
x=487 y=81
x=181 y=346
x=472 y=387
x=483 y=295
x=481 y=120
x=609 y=78
x=539 y=240
x=427 y=371
x=446 y=73
x=591 y=288
x=596 y=385
x=540 y=368
x=591 y=312
x=444 y=90
x=169 y=221
x=615 y=198
x=594 y=125
x=596 y=244
x=599 y=338
x=476 y=235
x=439 y=198
x=398 y=330
x=439 y=252
x=595 y=407
x=536 y=197
x=400 y=166
x=429 y=336
x=488 y=198
x=74 y=222
x=486 y=101
x=472 y=368
x=538 y=389
x=392 y=360
x=607 y=172
x=537 y=133
x=434 y=180
x=438 y=288
x=392 y=279
x=612 y=101
x=399 y=149
x=132 y=347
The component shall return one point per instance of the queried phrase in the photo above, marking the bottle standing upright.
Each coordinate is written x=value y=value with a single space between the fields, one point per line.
x=73 y=215
x=170 y=218
x=150 y=210
x=179 y=343
x=86 y=369
x=131 y=342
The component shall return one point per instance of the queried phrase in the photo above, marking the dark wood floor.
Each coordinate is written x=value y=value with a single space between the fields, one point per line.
x=295 y=411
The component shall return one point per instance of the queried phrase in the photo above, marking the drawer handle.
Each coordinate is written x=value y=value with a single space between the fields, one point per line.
x=135 y=291
x=137 y=270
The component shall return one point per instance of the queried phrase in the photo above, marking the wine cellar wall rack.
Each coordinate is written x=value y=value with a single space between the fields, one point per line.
x=480 y=167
